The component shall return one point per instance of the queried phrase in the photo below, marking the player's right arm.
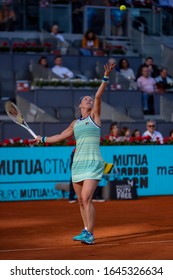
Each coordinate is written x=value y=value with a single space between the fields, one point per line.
x=59 y=137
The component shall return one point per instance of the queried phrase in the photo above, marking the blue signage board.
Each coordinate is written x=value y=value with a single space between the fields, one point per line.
x=32 y=173
x=150 y=166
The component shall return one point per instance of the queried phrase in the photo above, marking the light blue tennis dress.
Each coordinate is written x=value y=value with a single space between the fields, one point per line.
x=87 y=162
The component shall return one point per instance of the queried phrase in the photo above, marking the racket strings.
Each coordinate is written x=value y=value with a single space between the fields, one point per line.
x=20 y=118
x=14 y=113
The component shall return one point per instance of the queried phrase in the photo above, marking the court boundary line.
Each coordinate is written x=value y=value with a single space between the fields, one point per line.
x=97 y=244
x=149 y=242
x=24 y=249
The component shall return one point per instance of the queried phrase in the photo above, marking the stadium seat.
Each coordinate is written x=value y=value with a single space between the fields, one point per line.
x=89 y=74
x=77 y=43
x=7 y=83
x=6 y=74
x=32 y=11
x=4 y=42
x=50 y=110
x=7 y=89
x=16 y=40
x=72 y=51
x=33 y=41
x=135 y=113
x=121 y=109
x=23 y=74
x=65 y=114
x=2 y=102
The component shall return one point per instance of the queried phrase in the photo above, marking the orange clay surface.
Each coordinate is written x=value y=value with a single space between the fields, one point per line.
x=125 y=230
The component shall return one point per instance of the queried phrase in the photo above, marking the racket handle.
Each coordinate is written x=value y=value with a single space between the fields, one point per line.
x=32 y=133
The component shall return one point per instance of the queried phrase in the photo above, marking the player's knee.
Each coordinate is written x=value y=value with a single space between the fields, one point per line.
x=80 y=201
x=86 y=200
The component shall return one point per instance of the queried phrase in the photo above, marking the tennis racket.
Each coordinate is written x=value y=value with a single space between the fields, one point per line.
x=14 y=113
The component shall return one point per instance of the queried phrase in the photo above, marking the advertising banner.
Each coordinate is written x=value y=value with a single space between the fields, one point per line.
x=32 y=173
x=150 y=166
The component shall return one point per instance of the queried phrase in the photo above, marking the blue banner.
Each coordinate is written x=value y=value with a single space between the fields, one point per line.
x=32 y=173
x=151 y=167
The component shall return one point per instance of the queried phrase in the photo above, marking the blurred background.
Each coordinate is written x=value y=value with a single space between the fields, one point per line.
x=30 y=30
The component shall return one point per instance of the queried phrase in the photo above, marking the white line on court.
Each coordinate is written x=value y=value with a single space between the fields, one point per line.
x=97 y=244
x=23 y=249
x=129 y=243
x=158 y=241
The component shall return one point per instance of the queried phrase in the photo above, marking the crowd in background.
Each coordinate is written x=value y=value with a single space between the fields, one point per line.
x=149 y=79
x=125 y=134
x=12 y=12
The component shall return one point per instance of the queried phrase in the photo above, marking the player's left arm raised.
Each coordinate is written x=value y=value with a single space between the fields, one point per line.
x=97 y=101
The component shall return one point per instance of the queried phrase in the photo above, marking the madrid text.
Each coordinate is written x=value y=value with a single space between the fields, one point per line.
x=133 y=167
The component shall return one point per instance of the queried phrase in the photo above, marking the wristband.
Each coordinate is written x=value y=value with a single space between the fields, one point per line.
x=43 y=139
x=105 y=79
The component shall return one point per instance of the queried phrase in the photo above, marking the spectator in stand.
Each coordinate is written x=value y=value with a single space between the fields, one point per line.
x=90 y=41
x=43 y=61
x=40 y=69
x=163 y=81
x=125 y=134
x=118 y=18
x=62 y=44
x=113 y=60
x=55 y=32
x=7 y=17
x=136 y=133
x=152 y=133
x=99 y=69
x=125 y=69
x=61 y=71
x=113 y=132
x=125 y=131
x=153 y=68
x=146 y=84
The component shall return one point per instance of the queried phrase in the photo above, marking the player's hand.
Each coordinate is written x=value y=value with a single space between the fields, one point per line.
x=38 y=139
x=108 y=68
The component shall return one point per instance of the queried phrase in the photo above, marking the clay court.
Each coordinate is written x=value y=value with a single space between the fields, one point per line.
x=125 y=230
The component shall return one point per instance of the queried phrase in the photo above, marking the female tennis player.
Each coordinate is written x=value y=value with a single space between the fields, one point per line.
x=88 y=165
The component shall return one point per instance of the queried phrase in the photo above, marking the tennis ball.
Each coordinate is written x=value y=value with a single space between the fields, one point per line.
x=122 y=7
